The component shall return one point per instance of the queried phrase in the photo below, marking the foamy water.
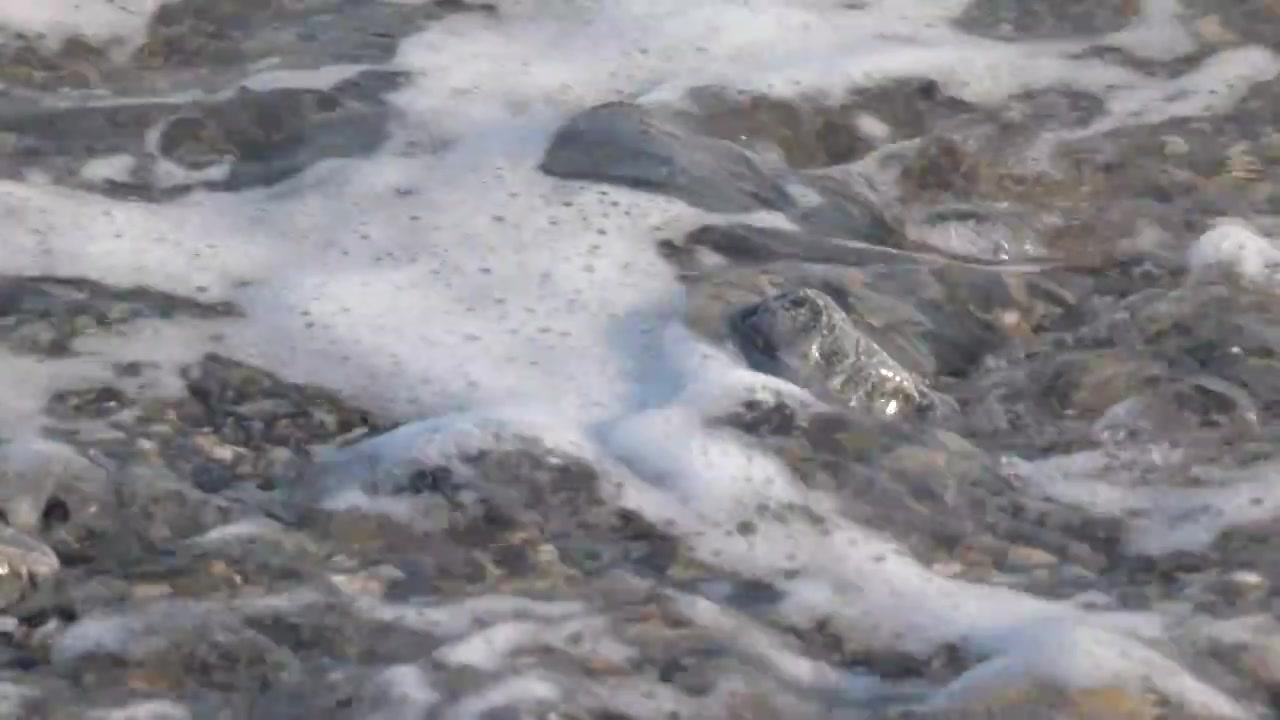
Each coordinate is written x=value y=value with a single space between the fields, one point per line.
x=446 y=277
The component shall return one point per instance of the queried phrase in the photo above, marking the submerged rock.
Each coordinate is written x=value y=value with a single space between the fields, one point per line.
x=522 y=507
x=810 y=132
x=158 y=150
x=44 y=315
x=1047 y=18
x=941 y=497
x=209 y=45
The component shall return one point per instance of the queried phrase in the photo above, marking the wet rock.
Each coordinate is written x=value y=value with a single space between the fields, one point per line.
x=1044 y=702
x=806 y=136
x=1250 y=21
x=17 y=699
x=208 y=45
x=942 y=165
x=1046 y=18
x=250 y=407
x=805 y=337
x=746 y=245
x=1212 y=327
x=249 y=138
x=173 y=646
x=87 y=403
x=630 y=145
x=1021 y=557
x=937 y=494
x=551 y=524
x=1182 y=408
x=810 y=133
x=1249 y=645
x=1057 y=399
x=237 y=430
x=113 y=521
x=842 y=211
x=44 y=315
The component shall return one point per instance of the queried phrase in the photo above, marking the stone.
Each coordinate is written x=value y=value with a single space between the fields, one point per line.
x=1023 y=558
x=1043 y=19
x=633 y=146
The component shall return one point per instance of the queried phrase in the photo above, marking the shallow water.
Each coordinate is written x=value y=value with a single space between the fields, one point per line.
x=621 y=359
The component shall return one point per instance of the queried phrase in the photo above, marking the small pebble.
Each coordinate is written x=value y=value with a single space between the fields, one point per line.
x=146 y=591
x=1212 y=31
x=1025 y=557
x=1175 y=146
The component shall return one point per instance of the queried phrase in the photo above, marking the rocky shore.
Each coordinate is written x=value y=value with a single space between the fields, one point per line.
x=1019 y=343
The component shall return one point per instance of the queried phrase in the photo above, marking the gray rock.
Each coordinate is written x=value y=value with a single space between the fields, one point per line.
x=178 y=644
x=43 y=314
x=804 y=336
x=938 y=495
x=845 y=212
x=262 y=137
x=629 y=145
x=1046 y=18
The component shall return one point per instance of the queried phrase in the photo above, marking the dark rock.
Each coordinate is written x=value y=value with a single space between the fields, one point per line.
x=812 y=133
x=630 y=145
x=263 y=137
x=44 y=315
x=1046 y=18
x=208 y=45
x=807 y=136
x=97 y=402
x=1251 y=21
x=844 y=212
x=928 y=488
x=175 y=646
x=510 y=504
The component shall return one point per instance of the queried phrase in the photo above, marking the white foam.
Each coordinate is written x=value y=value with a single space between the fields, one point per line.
x=456 y=619
x=143 y=710
x=1234 y=246
x=30 y=469
x=769 y=648
x=528 y=688
x=491 y=648
x=1160 y=519
x=134 y=635
x=400 y=692
x=31 y=379
x=109 y=168
x=15 y=698
x=865 y=585
x=1071 y=655
x=1158 y=33
x=702 y=485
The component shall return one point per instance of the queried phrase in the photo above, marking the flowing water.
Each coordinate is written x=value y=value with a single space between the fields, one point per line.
x=604 y=359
